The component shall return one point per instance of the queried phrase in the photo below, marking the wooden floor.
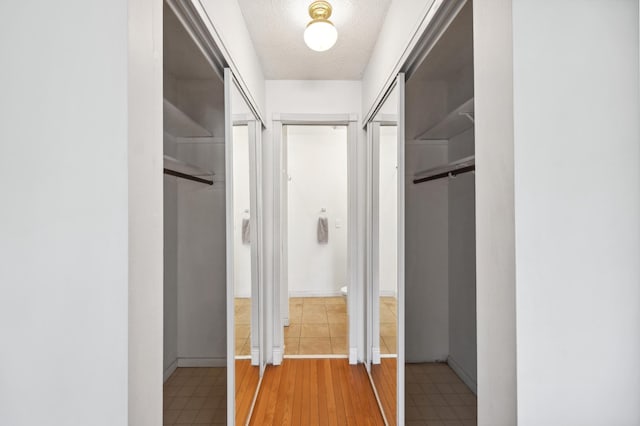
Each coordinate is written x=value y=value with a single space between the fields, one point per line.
x=247 y=377
x=385 y=375
x=316 y=392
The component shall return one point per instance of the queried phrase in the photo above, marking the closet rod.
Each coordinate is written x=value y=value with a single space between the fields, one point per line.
x=463 y=165
x=186 y=176
x=445 y=174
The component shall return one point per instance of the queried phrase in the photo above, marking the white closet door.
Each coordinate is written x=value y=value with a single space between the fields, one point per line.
x=386 y=266
x=228 y=171
x=401 y=179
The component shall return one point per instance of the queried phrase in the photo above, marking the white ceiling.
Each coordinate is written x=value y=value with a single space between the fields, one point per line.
x=277 y=27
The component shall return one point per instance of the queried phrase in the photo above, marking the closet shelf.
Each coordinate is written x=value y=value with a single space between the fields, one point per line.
x=454 y=123
x=179 y=124
x=177 y=168
x=463 y=165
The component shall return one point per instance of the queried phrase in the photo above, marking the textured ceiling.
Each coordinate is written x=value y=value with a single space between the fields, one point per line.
x=277 y=27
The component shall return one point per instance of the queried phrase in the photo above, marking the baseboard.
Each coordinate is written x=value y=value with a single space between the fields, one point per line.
x=169 y=370
x=255 y=356
x=464 y=376
x=353 y=356
x=277 y=356
x=312 y=293
x=319 y=356
x=285 y=322
x=202 y=362
x=388 y=293
x=375 y=355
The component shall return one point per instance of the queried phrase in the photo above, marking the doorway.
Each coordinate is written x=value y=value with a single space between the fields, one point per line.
x=320 y=226
x=315 y=192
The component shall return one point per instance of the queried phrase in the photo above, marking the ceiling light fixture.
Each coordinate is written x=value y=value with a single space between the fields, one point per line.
x=320 y=34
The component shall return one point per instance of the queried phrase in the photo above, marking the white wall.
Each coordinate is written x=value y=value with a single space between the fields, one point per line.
x=462 y=264
x=388 y=220
x=402 y=21
x=426 y=256
x=230 y=28
x=64 y=220
x=145 y=203
x=495 y=239
x=317 y=169
x=308 y=97
x=577 y=210
x=241 y=203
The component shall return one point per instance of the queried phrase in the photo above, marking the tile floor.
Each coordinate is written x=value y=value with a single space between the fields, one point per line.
x=196 y=396
x=435 y=396
x=318 y=326
x=242 y=319
x=388 y=325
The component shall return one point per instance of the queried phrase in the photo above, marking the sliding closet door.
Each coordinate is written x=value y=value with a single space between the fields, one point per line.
x=386 y=253
x=245 y=359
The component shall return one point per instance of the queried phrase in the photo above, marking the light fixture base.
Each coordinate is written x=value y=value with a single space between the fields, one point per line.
x=320 y=10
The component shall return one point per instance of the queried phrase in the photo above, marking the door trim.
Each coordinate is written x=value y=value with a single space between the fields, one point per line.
x=280 y=287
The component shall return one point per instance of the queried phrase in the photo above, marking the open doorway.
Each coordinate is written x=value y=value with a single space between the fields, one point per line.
x=315 y=191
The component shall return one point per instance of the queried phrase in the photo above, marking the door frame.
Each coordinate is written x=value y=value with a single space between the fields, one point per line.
x=280 y=222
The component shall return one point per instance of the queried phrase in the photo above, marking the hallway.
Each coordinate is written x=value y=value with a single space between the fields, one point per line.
x=316 y=392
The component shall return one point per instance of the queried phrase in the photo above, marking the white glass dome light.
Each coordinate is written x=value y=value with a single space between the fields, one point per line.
x=320 y=34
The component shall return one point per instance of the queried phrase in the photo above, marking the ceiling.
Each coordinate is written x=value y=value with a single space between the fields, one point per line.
x=277 y=26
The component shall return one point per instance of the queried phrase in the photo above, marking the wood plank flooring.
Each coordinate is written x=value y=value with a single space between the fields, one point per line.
x=316 y=392
x=385 y=375
x=247 y=377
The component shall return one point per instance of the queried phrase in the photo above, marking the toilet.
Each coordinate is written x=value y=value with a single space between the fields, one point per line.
x=343 y=290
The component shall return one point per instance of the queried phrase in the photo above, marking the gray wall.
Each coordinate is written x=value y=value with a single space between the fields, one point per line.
x=462 y=264
x=426 y=257
x=170 y=262
x=195 y=233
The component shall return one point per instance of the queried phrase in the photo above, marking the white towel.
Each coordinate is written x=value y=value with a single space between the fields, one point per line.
x=246 y=231
x=323 y=230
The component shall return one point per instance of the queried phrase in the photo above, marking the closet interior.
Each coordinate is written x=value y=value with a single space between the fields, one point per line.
x=440 y=280
x=195 y=303
x=425 y=128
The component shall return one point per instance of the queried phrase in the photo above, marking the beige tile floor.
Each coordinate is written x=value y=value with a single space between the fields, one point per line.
x=435 y=396
x=196 y=396
x=388 y=325
x=318 y=326
x=242 y=317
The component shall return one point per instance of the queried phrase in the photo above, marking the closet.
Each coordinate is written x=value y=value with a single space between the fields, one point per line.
x=440 y=308
x=212 y=337
x=433 y=375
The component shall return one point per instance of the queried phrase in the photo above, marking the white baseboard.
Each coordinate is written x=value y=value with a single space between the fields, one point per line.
x=202 y=362
x=255 y=356
x=464 y=376
x=313 y=293
x=277 y=356
x=285 y=322
x=353 y=356
x=375 y=355
x=169 y=370
x=388 y=293
x=319 y=356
